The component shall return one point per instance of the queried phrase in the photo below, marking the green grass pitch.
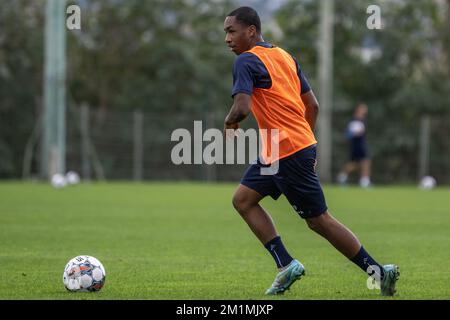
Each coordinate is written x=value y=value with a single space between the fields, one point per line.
x=185 y=241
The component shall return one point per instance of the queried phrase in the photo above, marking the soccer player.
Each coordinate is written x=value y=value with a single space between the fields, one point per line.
x=269 y=82
x=359 y=157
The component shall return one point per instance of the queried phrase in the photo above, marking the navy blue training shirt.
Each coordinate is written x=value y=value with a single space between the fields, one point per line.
x=250 y=72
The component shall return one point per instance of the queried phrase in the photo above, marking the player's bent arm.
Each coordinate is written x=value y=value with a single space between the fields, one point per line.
x=312 y=108
x=239 y=111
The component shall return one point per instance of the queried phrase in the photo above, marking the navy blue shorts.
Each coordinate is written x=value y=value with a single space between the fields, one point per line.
x=358 y=153
x=296 y=179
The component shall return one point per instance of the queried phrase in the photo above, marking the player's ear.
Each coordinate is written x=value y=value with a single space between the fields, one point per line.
x=251 y=31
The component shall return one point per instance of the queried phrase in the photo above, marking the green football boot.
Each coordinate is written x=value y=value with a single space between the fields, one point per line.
x=391 y=275
x=286 y=278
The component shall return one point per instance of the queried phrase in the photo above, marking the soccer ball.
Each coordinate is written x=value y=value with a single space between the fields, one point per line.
x=72 y=177
x=58 y=181
x=427 y=183
x=84 y=274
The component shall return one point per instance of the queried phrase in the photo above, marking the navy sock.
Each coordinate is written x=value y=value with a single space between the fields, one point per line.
x=278 y=252
x=364 y=260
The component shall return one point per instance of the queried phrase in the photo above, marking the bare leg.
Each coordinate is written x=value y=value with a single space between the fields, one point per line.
x=246 y=202
x=350 y=167
x=365 y=168
x=345 y=172
x=336 y=233
x=364 y=180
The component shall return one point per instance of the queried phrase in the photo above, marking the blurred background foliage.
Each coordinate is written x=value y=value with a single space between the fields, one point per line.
x=169 y=57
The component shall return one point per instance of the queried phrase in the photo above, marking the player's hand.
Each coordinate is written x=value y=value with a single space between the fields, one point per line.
x=230 y=130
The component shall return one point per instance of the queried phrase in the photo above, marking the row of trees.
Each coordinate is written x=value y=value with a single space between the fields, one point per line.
x=168 y=56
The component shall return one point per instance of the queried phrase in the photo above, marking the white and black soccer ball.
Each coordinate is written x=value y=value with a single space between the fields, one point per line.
x=427 y=183
x=72 y=177
x=84 y=274
x=58 y=181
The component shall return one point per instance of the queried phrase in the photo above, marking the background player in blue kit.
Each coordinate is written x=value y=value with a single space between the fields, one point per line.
x=359 y=155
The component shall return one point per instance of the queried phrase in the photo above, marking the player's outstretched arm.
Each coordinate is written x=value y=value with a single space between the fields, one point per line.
x=312 y=108
x=239 y=111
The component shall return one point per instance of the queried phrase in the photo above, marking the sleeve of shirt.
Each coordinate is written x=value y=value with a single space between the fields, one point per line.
x=303 y=81
x=243 y=78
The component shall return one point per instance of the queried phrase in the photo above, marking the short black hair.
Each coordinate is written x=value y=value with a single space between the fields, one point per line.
x=247 y=16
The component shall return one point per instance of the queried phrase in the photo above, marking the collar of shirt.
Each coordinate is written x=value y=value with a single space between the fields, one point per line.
x=264 y=44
